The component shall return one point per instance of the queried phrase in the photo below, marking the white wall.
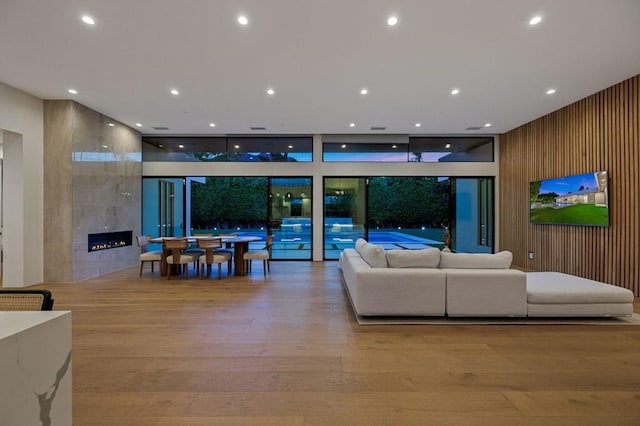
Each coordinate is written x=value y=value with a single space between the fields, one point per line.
x=21 y=120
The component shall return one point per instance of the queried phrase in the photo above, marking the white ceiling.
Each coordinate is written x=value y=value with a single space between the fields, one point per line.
x=317 y=55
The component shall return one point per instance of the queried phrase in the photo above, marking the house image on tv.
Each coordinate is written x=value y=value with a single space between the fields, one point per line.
x=596 y=196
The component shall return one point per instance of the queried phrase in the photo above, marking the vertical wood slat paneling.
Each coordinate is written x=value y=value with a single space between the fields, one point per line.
x=601 y=132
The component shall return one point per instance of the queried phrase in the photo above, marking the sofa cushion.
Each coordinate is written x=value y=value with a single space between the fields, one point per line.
x=373 y=254
x=501 y=260
x=426 y=258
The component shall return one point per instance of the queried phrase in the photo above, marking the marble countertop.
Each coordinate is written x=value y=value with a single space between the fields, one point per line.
x=12 y=322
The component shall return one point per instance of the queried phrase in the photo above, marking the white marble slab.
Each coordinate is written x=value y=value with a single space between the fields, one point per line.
x=35 y=368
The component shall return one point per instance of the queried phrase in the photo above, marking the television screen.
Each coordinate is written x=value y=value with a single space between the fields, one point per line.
x=571 y=200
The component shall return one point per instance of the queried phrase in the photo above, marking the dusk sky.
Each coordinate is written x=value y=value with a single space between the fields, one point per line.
x=564 y=185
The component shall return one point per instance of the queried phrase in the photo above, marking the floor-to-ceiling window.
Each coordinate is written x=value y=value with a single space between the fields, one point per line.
x=163 y=207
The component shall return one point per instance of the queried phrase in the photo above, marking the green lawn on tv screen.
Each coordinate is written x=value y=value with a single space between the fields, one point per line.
x=579 y=214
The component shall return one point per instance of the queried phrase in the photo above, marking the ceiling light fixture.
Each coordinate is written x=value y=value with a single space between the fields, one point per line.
x=88 y=20
x=393 y=20
x=138 y=124
x=290 y=146
x=181 y=146
x=243 y=20
x=364 y=91
x=487 y=125
x=271 y=92
x=394 y=146
x=551 y=91
x=535 y=20
x=111 y=125
x=212 y=124
x=236 y=146
x=418 y=125
x=447 y=146
x=73 y=91
x=343 y=146
x=174 y=92
x=455 y=91
x=352 y=124
x=105 y=146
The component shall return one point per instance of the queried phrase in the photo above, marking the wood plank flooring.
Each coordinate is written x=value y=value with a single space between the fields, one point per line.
x=286 y=350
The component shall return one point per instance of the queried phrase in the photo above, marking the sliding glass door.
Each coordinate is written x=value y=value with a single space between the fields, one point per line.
x=256 y=206
x=345 y=214
x=290 y=217
x=409 y=213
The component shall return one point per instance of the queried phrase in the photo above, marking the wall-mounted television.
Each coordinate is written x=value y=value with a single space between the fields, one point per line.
x=571 y=200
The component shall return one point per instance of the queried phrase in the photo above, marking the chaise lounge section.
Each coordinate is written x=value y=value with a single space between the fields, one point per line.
x=554 y=294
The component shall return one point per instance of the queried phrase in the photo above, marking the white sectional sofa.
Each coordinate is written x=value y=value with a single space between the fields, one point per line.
x=433 y=283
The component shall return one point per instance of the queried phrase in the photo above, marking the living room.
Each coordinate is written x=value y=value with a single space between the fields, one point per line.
x=589 y=126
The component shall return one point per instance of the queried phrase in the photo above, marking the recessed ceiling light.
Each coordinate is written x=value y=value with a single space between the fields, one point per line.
x=174 y=92
x=394 y=146
x=343 y=146
x=392 y=20
x=180 y=146
x=290 y=146
x=455 y=91
x=447 y=146
x=364 y=91
x=535 y=20
x=352 y=124
x=271 y=92
x=243 y=20
x=73 y=91
x=551 y=91
x=138 y=124
x=111 y=125
x=212 y=124
x=236 y=146
x=105 y=146
x=88 y=20
x=487 y=125
x=418 y=124
x=160 y=145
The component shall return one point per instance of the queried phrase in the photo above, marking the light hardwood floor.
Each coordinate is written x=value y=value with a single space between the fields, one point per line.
x=286 y=350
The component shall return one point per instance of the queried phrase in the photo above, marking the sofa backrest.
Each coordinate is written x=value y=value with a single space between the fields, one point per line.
x=425 y=258
x=501 y=260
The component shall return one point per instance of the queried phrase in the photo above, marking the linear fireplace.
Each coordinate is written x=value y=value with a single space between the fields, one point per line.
x=109 y=240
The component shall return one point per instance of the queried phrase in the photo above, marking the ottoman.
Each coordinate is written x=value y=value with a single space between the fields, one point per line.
x=554 y=294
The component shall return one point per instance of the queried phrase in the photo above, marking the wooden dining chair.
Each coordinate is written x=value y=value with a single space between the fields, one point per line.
x=146 y=255
x=264 y=255
x=228 y=247
x=211 y=256
x=177 y=256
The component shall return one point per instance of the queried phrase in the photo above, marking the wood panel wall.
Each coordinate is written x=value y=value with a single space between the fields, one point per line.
x=601 y=132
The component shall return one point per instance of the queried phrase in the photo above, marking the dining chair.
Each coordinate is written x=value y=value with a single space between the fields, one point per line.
x=177 y=256
x=228 y=247
x=211 y=256
x=146 y=255
x=26 y=300
x=264 y=255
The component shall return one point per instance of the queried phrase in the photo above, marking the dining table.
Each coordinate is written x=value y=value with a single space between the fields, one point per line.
x=240 y=246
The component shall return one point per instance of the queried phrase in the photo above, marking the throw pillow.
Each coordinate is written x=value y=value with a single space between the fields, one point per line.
x=501 y=260
x=426 y=258
x=373 y=254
